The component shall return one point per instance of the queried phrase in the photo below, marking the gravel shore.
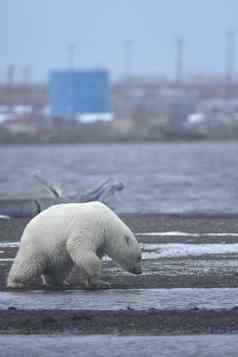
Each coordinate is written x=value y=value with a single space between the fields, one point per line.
x=205 y=271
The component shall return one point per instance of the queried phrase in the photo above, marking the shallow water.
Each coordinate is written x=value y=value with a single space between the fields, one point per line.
x=114 y=346
x=174 y=177
x=138 y=299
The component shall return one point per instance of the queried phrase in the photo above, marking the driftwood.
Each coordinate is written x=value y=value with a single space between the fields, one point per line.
x=32 y=206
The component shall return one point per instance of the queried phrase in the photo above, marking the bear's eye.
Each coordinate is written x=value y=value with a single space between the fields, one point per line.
x=139 y=258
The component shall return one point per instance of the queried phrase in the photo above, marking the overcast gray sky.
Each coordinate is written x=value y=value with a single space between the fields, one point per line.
x=37 y=33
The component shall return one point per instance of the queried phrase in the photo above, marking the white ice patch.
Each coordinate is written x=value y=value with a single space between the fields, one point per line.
x=9 y=244
x=6 y=259
x=174 y=250
x=172 y=233
x=4 y=217
x=186 y=234
x=220 y=234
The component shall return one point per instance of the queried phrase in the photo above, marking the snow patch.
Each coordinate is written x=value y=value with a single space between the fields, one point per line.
x=173 y=250
x=2 y=216
x=6 y=259
x=187 y=234
x=9 y=244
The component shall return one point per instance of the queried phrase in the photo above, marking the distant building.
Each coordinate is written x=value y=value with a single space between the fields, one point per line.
x=25 y=124
x=73 y=94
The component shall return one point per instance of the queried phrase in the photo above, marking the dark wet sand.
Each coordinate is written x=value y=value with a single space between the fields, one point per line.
x=168 y=273
x=151 y=322
x=162 y=279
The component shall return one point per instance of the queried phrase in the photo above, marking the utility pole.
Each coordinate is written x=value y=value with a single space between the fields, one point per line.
x=127 y=75
x=10 y=84
x=71 y=56
x=229 y=62
x=25 y=76
x=10 y=76
x=179 y=60
x=128 y=60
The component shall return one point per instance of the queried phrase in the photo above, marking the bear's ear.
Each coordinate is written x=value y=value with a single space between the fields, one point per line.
x=127 y=238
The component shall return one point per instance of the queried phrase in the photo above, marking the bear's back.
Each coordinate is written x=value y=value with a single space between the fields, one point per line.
x=57 y=222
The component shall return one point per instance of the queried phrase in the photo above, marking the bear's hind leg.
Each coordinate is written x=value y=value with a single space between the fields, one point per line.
x=25 y=269
x=56 y=274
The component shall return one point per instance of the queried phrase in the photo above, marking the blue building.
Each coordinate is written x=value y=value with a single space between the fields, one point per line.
x=72 y=93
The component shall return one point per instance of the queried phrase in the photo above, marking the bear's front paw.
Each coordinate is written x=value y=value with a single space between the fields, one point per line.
x=99 y=284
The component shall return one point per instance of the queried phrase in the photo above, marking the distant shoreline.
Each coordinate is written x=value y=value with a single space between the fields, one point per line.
x=26 y=141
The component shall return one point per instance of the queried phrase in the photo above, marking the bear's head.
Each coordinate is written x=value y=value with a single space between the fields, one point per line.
x=127 y=253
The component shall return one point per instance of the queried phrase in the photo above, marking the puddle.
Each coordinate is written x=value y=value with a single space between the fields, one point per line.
x=115 y=299
x=117 y=346
x=174 y=250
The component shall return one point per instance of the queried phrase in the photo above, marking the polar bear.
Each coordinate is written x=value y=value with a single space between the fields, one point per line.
x=73 y=233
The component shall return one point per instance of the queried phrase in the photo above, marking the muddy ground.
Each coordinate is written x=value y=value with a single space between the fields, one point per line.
x=150 y=322
x=189 y=272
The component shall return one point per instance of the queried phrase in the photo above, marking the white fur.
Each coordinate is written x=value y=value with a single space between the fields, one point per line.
x=74 y=233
